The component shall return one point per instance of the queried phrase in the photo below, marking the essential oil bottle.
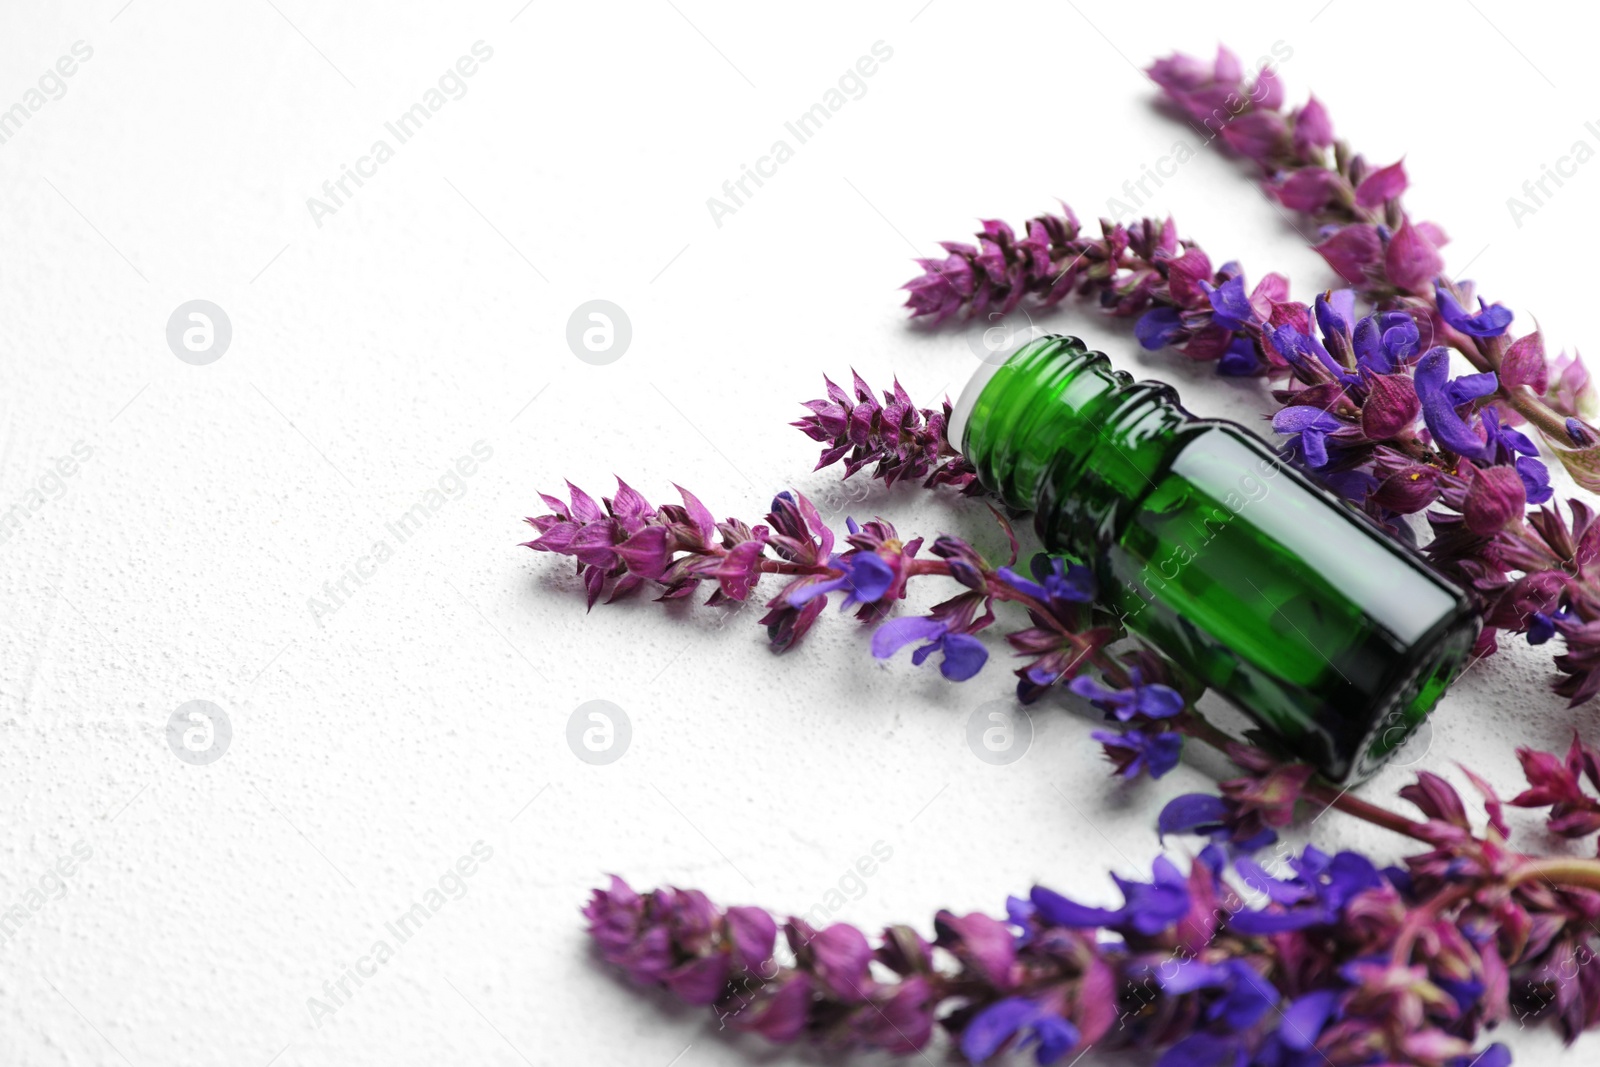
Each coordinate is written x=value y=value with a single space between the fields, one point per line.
x=1330 y=634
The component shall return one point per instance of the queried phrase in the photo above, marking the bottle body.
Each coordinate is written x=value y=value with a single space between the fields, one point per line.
x=1331 y=635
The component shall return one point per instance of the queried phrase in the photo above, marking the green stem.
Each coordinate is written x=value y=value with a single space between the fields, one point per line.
x=1350 y=804
x=1562 y=870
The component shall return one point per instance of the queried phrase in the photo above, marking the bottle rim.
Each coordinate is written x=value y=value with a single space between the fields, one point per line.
x=961 y=410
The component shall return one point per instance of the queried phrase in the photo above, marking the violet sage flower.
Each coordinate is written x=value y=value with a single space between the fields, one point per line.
x=962 y=654
x=1491 y=321
x=1308 y=428
x=1322 y=958
x=1441 y=396
x=1134 y=752
x=1151 y=701
x=893 y=436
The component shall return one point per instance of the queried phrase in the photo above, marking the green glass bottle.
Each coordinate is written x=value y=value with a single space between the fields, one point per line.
x=1284 y=599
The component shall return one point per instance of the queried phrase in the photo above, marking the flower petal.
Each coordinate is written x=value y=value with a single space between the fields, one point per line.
x=1022 y=585
x=1302 y=417
x=896 y=634
x=1472 y=387
x=1059 y=911
x=1350 y=250
x=753 y=933
x=1411 y=261
x=1158 y=327
x=1314 y=444
x=1381 y=185
x=1535 y=479
x=841 y=955
x=1230 y=307
x=1057 y=1037
x=1491 y=320
x=867 y=577
x=994 y=1026
x=964 y=656
x=698 y=514
x=1433 y=371
x=1495 y=498
x=1312 y=128
x=1392 y=406
x=1094 y=690
x=1449 y=429
x=1304 y=1019
x=1201 y=812
x=1190 y=974
x=646 y=553
x=1159 y=701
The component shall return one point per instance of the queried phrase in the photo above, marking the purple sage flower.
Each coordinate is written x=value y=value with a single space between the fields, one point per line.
x=1491 y=321
x=1152 y=701
x=962 y=654
x=1134 y=752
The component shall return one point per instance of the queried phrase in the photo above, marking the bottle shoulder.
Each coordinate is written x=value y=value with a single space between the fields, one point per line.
x=1203 y=429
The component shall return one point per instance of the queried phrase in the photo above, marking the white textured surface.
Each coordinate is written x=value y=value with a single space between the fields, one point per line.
x=373 y=747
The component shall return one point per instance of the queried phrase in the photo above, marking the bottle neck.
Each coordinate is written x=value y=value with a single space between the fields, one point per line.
x=1057 y=431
